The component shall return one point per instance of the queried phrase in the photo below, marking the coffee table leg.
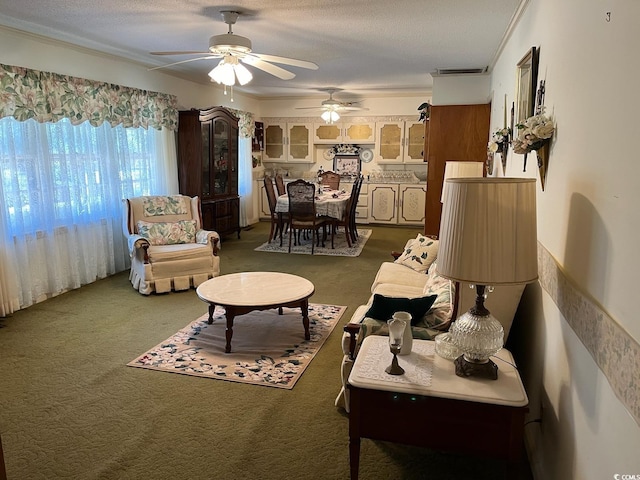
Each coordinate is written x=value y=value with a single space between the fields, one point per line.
x=212 y=308
x=229 y=331
x=305 y=319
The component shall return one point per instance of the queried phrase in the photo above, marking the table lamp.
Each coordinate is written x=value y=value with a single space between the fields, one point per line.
x=460 y=169
x=487 y=239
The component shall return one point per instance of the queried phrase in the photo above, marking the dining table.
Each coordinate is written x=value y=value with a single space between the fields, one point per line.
x=329 y=203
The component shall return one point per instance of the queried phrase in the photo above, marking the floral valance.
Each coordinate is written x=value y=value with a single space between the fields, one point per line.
x=246 y=124
x=48 y=97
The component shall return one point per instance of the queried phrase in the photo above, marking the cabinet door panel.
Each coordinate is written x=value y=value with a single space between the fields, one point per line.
x=389 y=142
x=414 y=146
x=274 y=138
x=327 y=133
x=299 y=143
x=412 y=201
x=359 y=132
x=383 y=203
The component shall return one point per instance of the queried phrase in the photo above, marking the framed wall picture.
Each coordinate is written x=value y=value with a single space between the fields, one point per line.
x=527 y=79
x=346 y=165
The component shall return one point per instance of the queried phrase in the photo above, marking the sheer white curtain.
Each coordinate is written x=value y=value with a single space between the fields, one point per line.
x=61 y=191
x=245 y=177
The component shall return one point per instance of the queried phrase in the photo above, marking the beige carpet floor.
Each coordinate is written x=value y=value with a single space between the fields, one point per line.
x=70 y=408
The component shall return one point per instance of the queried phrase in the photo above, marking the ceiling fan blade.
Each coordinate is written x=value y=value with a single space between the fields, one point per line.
x=286 y=61
x=183 y=61
x=191 y=52
x=274 y=70
x=351 y=109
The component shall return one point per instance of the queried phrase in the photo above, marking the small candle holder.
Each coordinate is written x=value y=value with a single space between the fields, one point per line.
x=396 y=333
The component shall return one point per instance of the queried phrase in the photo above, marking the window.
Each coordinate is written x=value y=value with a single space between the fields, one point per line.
x=59 y=174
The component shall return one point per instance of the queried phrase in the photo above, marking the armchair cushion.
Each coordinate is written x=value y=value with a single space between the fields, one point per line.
x=168 y=233
x=155 y=205
x=419 y=253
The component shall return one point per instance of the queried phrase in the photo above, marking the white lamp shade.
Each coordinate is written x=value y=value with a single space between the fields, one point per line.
x=488 y=231
x=460 y=170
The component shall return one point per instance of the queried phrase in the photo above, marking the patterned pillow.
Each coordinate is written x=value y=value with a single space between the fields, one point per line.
x=439 y=315
x=164 y=205
x=168 y=233
x=419 y=254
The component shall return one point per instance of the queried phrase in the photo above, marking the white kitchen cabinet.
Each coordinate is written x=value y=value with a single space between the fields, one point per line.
x=396 y=204
x=288 y=142
x=412 y=204
x=344 y=132
x=383 y=203
x=399 y=142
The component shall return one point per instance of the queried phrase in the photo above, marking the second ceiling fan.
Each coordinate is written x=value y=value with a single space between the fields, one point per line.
x=331 y=108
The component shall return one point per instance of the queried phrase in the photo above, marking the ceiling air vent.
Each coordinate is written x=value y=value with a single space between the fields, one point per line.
x=460 y=71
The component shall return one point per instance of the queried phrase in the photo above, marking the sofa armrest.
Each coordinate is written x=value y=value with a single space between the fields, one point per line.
x=207 y=236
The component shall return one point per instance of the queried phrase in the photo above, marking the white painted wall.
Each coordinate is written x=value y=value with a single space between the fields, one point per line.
x=587 y=219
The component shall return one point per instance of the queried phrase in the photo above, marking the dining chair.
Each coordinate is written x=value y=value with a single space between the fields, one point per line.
x=330 y=178
x=278 y=220
x=353 y=229
x=302 y=213
x=280 y=185
x=348 y=218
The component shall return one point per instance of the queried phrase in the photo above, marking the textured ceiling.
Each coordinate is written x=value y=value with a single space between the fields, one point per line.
x=361 y=46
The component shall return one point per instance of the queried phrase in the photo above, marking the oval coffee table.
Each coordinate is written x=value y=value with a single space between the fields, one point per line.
x=241 y=293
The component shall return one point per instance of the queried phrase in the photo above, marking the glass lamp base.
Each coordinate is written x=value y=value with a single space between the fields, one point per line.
x=467 y=368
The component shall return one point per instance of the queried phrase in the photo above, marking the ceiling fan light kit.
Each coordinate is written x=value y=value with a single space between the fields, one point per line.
x=330 y=116
x=228 y=70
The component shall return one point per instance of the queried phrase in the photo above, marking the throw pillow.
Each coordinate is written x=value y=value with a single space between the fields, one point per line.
x=383 y=308
x=439 y=315
x=164 y=205
x=168 y=233
x=419 y=254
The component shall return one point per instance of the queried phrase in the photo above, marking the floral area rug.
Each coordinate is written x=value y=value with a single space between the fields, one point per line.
x=266 y=348
x=341 y=249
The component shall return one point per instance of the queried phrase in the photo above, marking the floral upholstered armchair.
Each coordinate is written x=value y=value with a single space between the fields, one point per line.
x=168 y=248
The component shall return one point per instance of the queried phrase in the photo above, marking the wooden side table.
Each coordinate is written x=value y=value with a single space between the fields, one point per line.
x=429 y=406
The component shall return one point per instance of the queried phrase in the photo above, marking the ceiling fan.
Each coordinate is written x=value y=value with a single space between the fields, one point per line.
x=331 y=107
x=234 y=50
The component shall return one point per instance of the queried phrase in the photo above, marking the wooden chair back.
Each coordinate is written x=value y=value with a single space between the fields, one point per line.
x=280 y=185
x=302 y=206
x=330 y=178
x=271 y=194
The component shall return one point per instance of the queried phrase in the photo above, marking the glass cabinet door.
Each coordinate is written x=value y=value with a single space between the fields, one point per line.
x=221 y=157
x=205 y=131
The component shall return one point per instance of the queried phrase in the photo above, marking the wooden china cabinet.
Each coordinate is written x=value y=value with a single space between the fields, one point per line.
x=208 y=166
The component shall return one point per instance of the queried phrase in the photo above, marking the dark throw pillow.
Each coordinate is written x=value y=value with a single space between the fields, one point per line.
x=383 y=307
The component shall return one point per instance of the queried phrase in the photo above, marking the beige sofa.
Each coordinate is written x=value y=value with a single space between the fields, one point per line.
x=168 y=247
x=414 y=275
